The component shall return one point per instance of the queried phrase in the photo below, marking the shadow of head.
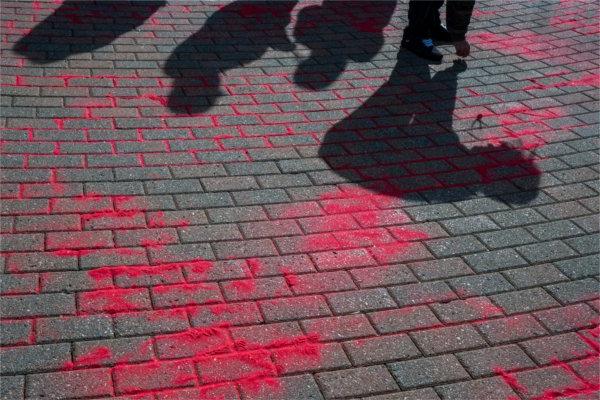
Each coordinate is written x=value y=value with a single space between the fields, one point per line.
x=337 y=32
x=233 y=36
x=82 y=26
x=400 y=142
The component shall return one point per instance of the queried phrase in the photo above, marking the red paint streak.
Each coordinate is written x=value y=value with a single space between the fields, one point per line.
x=109 y=214
x=195 y=342
x=110 y=300
x=60 y=123
x=254 y=265
x=94 y=357
x=291 y=279
x=480 y=13
x=522 y=43
x=591 y=80
x=245 y=286
x=384 y=244
x=510 y=380
x=158 y=221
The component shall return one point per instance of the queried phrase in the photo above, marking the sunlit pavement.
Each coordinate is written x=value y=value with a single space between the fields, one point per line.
x=268 y=200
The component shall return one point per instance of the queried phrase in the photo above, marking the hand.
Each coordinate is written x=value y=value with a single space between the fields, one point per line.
x=463 y=48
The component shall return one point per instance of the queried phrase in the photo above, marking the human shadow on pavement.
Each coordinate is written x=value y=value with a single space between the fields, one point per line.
x=337 y=32
x=82 y=26
x=233 y=36
x=400 y=142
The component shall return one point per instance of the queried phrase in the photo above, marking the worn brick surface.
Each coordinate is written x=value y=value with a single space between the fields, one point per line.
x=271 y=200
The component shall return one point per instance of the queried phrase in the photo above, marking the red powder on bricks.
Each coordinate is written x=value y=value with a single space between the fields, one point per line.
x=110 y=301
x=95 y=356
x=510 y=380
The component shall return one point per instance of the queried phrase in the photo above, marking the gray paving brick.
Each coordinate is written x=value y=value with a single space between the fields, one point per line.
x=455 y=246
x=466 y=225
x=360 y=301
x=506 y=238
x=73 y=328
x=404 y=319
x=546 y=251
x=419 y=394
x=524 y=300
x=580 y=267
x=440 y=269
x=489 y=388
x=575 y=291
x=356 y=381
x=495 y=260
x=588 y=244
x=536 y=275
x=15 y=332
x=560 y=347
x=418 y=293
x=482 y=284
x=62 y=385
x=428 y=371
x=568 y=318
x=448 y=339
x=28 y=359
x=37 y=305
x=504 y=330
x=298 y=387
x=13 y=387
x=483 y=362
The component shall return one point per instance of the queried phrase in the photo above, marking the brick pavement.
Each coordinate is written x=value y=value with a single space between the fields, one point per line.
x=327 y=221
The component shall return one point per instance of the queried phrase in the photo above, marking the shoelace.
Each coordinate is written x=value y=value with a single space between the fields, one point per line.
x=428 y=42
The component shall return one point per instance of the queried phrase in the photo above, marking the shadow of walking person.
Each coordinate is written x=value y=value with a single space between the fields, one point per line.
x=337 y=32
x=235 y=35
x=400 y=142
x=82 y=26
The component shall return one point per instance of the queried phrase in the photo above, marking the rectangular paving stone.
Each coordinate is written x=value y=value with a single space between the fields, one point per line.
x=298 y=387
x=448 y=339
x=29 y=359
x=404 y=319
x=509 y=329
x=489 y=388
x=496 y=260
x=360 y=301
x=567 y=318
x=73 y=328
x=356 y=382
x=418 y=293
x=336 y=328
x=68 y=384
x=538 y=381
x=381 y=349
x=481 y=284
x=483 y=362
x=453 y=246
x=560 y=347
x=575 y=291
x=428 y=371
x=37 y=305
x=524 y=300
x=419 y=394
x=15 y=332
x=536 y=275
x=13 y=387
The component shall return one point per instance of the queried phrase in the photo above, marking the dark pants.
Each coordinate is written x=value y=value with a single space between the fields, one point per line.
x=422 y=17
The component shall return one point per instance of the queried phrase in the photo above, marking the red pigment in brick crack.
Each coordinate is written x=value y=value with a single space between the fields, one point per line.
x=383 y=243
x=526 y=44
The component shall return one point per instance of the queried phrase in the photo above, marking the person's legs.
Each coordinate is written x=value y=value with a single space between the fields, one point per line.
x=423 y=17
